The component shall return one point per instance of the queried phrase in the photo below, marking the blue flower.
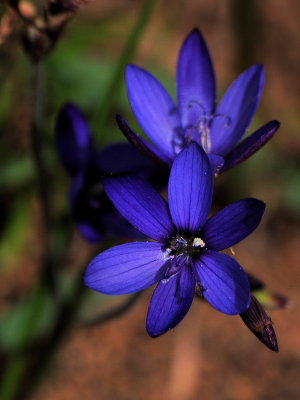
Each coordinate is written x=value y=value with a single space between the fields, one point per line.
x=92 y=211
x=196 y=118
x=185 y=254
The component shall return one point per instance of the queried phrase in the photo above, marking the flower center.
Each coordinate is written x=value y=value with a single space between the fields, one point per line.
x=180 y=251
x=200 y=131
x=187 y=247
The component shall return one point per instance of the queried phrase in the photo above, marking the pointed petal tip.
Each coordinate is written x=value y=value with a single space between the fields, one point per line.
x=260 y=324
x=153 y=334
x=256 y=68
x=195 y=32
x=131 y=69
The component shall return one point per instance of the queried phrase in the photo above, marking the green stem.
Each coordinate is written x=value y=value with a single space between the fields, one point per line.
x=112 y=90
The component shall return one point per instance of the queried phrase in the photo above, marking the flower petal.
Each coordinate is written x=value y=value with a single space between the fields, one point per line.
x=195 y=80
x=223 y=282
x=142 y=146
x=141 y=205
x=170 y=302
x=250 y=145
x=232 y=224
x=127 y=268
x=236 y=110
x=73 y=138
x=153 y=108
x=87 y=217
x=190 y=189
x=216 y=162
x=94 y=214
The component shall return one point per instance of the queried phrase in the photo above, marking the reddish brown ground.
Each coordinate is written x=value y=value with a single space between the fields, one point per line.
x=209 y=355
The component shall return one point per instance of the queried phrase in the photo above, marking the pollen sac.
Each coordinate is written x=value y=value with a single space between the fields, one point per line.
x=260 y=324
x=198 y=242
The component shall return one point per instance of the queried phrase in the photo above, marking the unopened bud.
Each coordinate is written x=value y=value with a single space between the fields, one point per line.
x=260 y=324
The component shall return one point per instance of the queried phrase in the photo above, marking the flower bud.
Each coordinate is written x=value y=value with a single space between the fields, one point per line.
x=260 y=324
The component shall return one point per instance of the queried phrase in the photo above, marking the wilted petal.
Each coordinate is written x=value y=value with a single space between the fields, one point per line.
x=73 y=138
x=236 y=110
x=195 y=80
x=190 y=189
x=142 y=146
x=170 y=302
x=223 y=282
x=127 y=268
x=141 y=205
x=232 y=224
x=250 y=145
x=153 y=107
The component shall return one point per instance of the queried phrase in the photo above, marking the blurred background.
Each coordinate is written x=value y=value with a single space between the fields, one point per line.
x=49 y=354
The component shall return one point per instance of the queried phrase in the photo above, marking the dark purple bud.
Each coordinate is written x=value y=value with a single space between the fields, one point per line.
x=73 y=139
x=250 y=145
x=260 y=324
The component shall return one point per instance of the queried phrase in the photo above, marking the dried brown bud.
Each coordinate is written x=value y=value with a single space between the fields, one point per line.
x=36 y=43
x=260 y=324
x=57 y=7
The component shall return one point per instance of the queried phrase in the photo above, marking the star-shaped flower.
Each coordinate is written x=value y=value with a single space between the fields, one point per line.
x=185 y=254
x=219 y=129
x=92 y=211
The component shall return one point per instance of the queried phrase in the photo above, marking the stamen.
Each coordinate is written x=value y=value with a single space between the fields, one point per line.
x=200 y=131
x=198 y=242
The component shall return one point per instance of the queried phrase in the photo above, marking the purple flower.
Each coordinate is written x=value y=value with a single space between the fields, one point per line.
x=185 y=254
x=196 y=118
x=92 y=211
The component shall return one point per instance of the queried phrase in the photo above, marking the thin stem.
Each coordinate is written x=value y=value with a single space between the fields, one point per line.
x=116 y=80
x=37 y=144
x=114 y=313
x=42 y=176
